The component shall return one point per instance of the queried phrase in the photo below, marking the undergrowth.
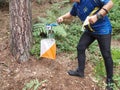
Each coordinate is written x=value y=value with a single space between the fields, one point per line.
x=68 y=42
x=99 y=67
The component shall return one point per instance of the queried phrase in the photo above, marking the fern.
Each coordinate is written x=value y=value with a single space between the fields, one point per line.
x=40 y=28
x=33 y=84
x=116 y=56
x=60 y=31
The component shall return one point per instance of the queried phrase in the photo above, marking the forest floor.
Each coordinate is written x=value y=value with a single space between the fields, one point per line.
x=14 y=76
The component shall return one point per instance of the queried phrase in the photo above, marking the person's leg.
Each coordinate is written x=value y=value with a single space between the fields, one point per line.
x=85 y=40
x=104 y=44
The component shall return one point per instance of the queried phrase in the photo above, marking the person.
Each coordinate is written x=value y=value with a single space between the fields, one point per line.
x=99 y=28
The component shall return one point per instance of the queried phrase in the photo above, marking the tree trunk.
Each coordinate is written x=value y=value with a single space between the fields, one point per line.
x=20 y=29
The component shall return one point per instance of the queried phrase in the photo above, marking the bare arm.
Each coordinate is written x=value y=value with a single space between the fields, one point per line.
x=104 y=10
x=65 y=16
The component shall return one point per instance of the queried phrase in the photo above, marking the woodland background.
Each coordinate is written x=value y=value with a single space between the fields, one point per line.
x=44 y=74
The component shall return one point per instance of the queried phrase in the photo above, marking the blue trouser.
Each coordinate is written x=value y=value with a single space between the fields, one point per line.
x=104 y=42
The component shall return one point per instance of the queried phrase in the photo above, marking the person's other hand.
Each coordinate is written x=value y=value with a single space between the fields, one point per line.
x=93 y=19
x=60 y=19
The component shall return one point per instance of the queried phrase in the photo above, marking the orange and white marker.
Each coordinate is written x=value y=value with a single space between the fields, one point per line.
x=48 y=48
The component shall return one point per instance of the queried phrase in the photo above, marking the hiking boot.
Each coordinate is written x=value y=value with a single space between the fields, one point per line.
x=76 y=73
x=110 y=84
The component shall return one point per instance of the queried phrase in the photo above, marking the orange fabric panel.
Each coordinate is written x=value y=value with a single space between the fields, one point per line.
x=50 y=53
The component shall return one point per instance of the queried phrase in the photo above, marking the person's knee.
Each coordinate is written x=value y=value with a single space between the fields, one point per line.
x=106 y=54
x=80 y=49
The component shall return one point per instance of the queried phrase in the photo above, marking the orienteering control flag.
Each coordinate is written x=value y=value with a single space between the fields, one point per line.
x=48 y=48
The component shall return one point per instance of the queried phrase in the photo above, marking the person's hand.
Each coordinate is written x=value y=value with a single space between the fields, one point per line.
x=93 y=19
x=60 y=19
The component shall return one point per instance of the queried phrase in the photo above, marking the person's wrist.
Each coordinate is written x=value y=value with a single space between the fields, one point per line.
x=99 y=16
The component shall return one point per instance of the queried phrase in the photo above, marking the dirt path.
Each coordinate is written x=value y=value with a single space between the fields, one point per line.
x=14 y=76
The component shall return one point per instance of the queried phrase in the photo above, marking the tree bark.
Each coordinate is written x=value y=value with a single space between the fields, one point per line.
x=20 y=29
